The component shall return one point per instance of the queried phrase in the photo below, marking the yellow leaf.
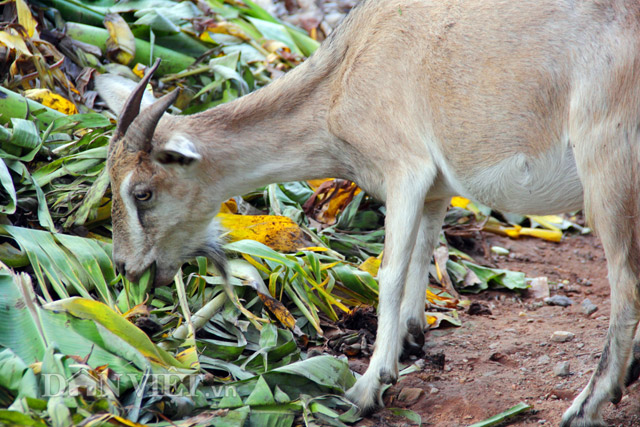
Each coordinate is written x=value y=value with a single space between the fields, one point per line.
x=329 y=199
x=315 y=249
x=315 y=183
x=459 y=202
x=14 y=41
x=189 y=357
x=139 y=70
x=449 y=302
x=517 y=231
x=37 y=367
x=138 y=310
x=121 y=45
x=278 y=232
x=551 y=235
x=431 y=320
x=229 y=207
x=279 y=310
x=119 y=421
x=223 y=28
x=26 y=19
x=273 y=46
x=551 y=222
x=434 y=319
x=51 y=100
x=371 y=265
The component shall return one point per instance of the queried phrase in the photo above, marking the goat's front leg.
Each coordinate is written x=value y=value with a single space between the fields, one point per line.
x=412 y=319
x=404 y=210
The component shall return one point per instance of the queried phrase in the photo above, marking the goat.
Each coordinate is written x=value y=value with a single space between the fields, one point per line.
x=530 y=106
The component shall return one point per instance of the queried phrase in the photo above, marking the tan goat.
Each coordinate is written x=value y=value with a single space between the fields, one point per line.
x=529 y=106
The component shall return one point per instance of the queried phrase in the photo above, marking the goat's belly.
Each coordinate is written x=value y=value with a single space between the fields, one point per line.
x=521 y=184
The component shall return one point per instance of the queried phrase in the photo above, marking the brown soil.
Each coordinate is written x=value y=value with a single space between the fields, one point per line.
x=495 y=361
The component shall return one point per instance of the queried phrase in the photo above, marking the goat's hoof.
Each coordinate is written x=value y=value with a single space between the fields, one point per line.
x=413 y=340
x=579 y=422
x=366 y=394
x=387 y=377
x=576 y=418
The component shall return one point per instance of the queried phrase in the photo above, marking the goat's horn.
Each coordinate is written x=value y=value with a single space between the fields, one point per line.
x=131 y=107
x=140 y=132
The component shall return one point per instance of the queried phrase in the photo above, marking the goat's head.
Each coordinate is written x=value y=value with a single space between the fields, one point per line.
x=159 y=214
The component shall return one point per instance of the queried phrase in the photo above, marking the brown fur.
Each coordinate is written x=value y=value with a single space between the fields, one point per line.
x=530 y=106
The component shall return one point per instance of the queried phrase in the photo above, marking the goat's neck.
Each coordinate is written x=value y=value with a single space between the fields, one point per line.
x=276 y=134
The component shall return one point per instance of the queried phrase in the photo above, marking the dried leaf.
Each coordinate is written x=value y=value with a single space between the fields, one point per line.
x=330 y=198
x=52 y=100
x=121 y=45
x=278 y=232
x=279 y=310
x=10 y=39
x=26 y=19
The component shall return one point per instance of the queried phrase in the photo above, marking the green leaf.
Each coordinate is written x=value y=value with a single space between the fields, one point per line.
x=407 y=413
x=15 y=418
x=7 y=184
x=25 y=134
x=498 y=419
x=20 y=326
x=119 y=326
x=326 y=371
x=15 y=374
x=273 y=31
x=261 y=394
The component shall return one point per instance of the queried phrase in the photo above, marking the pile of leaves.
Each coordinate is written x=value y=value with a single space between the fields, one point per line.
x=80 y=344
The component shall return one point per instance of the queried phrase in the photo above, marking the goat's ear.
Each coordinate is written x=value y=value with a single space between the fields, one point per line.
x=178 y=151
x=115 y=90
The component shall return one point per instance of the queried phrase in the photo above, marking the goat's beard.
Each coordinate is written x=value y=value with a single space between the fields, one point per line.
x=215 y=254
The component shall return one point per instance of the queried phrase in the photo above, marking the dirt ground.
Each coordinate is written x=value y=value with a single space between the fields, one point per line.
x=494 y=361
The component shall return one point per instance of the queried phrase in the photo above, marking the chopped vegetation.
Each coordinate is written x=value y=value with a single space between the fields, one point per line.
x=80 y=344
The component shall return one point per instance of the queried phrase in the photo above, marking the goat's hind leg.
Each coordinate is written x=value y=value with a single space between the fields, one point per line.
x=412 y=317
x=611 y=201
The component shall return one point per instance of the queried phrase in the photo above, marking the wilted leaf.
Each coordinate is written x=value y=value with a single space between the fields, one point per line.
x=329 y=199
x=118 y=325
x=278 y=232
x=26 y=19
x=121 y=45
x=52 y=100
x=12 y=40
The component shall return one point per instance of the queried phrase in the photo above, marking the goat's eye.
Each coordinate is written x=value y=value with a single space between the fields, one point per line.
x=142 y=195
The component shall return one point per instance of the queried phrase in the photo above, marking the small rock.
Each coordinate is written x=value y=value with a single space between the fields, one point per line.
x=562 y=336
x=562 y=369
x=560 y=300
x=544 y=360
x=539 y=288
x=434 y=390
x=588 y=307
x=410 y=395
